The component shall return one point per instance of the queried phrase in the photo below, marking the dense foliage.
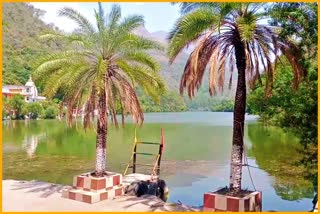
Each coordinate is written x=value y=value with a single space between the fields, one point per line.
x=224 y=106
x=290 y=107
x=16 y=108
x=21 y=45
x=169 y=102
x=295 y=109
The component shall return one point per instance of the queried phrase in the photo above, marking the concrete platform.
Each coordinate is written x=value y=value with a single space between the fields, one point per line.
x=43 y=196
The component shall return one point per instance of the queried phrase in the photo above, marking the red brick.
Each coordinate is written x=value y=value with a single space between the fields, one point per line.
x=98 y=184
x=208 y=200
x=258 y=198
x=116 y=180
x=247 y=205
x=86 y=198
x=103 y=196
x=72 y=195
x=102 y=184
x=80 y=182
x=233 y=204
x=86 y=189
x=94 y=184
x=118 y=192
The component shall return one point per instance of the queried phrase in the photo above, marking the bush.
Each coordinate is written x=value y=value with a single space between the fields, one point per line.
x=50 y=113
x=17 y=104
x=34 y=110
x=224 y=106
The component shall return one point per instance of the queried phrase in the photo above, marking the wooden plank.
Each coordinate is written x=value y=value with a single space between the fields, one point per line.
x=151 y=143
x=143 y=153
x=140 y=164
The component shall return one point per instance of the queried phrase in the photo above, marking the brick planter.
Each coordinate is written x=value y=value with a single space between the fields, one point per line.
x=89 y=189
x=217 y=202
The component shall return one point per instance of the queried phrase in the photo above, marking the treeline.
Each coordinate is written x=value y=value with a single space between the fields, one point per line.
x=170 y=102
x=223 y=106
x=16 y=108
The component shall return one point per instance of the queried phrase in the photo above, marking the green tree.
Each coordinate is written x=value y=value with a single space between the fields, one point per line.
x=297 y=20
x=34 y=110
x=295 y=109
x=169 y=102
x=100 y=68
x=228 y=35
x=50 y=113
x=224 y=106
x=5 y=107
x=17 y=104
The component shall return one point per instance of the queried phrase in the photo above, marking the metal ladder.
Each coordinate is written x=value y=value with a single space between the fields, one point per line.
x=133 y=160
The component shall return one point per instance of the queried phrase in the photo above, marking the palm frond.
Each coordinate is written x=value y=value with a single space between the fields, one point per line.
x=80 y=20
x=222 y=26
x=189 y=28
x=142 y=58
x=101 y=65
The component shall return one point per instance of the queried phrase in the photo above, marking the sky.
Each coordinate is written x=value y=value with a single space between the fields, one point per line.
x=158 y=16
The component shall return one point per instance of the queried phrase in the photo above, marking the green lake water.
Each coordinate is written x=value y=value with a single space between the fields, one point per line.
x=195 y=160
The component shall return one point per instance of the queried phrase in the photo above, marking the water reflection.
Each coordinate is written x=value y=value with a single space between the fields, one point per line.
x=278 y=154
x=30 y=144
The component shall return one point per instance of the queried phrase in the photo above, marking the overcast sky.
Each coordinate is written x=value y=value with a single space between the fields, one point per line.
x=158 y=16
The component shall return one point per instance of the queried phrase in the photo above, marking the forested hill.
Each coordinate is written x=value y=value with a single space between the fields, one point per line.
x=21 y=45
x=22 y=26
x=172 y=74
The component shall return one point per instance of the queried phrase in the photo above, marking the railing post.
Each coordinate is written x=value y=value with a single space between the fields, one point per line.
x=160 y=152
x=134 y=160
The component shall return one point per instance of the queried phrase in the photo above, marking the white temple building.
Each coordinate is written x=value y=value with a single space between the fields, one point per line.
x=29 y=91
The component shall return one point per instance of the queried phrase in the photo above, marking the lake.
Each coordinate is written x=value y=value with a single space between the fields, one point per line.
x=196 y=156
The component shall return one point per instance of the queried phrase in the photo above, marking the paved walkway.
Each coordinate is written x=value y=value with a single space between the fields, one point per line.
x=42 y=196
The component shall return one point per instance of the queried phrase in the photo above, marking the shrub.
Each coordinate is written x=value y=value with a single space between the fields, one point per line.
x=50 y=113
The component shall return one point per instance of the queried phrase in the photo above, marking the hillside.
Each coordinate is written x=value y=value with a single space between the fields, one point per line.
x=172 y=74
x=21 y=27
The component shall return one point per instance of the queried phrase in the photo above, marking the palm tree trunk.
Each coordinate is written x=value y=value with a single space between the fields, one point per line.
x=238 y=119
x=102 y=124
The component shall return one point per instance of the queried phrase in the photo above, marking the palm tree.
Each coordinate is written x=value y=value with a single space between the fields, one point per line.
x=230 y=37
x=99 y=68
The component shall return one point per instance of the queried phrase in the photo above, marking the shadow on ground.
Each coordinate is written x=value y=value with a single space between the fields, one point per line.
x=131 y=203
x=46 y=189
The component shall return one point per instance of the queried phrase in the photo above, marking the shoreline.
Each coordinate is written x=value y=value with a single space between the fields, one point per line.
x=44 y=196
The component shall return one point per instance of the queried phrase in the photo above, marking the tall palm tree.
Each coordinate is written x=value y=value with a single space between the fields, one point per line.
x=228 y=37
x=99 y=68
